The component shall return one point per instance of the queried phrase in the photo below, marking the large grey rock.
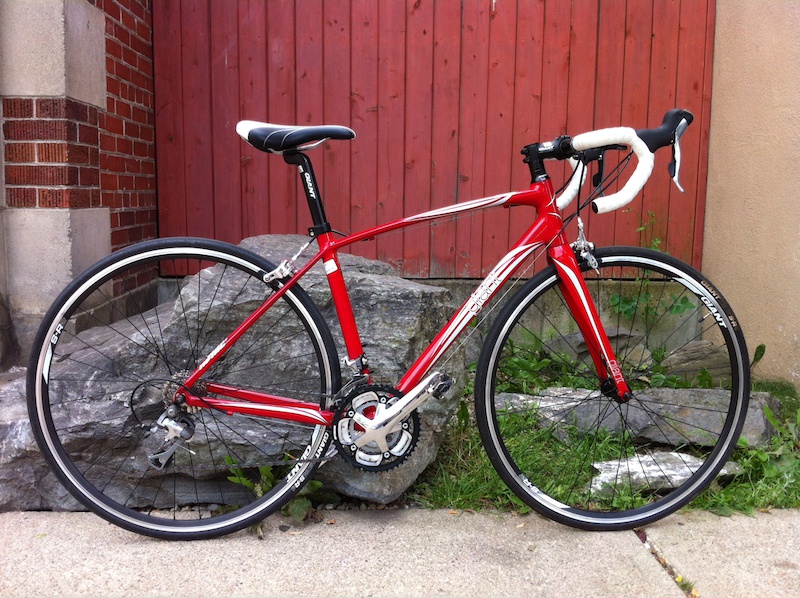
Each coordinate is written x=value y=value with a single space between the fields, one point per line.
x=397 y=318
x=672 y=417
x=26 y=482
x=689 y=413
x=700 y=357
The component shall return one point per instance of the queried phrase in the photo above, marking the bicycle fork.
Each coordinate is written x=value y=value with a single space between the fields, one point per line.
x=579 y=301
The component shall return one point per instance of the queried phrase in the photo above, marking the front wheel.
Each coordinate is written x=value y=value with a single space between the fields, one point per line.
x=589 y=460
x=114 y=350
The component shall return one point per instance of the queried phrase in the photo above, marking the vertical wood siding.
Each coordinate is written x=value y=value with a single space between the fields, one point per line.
x=442 y=96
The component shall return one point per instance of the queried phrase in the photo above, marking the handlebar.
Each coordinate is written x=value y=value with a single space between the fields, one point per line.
x=644 y=167
x=589 y=146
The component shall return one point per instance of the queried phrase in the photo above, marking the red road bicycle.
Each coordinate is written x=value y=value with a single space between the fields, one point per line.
x=186 y=388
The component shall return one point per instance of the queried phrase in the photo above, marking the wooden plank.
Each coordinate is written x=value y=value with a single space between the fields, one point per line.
x=499 y=129
x=169 y=109
x=527 y=103
x=196 y=75
x=608 y=100
x=418 y=155
x=419 y=101
x=254 y=169
x=635 y=84
x=472 y=132
x=226 y=144
x=444 y=133
x=336 y=89
x=364 y=115
x=283 y=193
x=169 y=119
x=555 y=75
x=583 y=52
x=660 y=192
x=310 y=94
x=691 y=84
x=703 y=122
x=391 y=126
x=444 y=138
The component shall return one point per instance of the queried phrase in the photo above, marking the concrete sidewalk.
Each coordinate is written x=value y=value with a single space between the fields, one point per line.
x=406 y=552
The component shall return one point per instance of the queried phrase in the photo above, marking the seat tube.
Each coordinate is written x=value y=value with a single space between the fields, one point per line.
x=579 y=301
x=341 y=300
x=330 y=260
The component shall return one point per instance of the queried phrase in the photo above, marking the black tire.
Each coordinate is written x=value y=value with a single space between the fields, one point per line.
x=589 y=461
x=121 y=338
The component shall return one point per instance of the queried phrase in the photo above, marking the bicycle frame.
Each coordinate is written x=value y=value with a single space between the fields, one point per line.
x=546 y=230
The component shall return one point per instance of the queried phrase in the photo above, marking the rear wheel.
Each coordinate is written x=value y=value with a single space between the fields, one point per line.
x=581 y=457
x=117 y=345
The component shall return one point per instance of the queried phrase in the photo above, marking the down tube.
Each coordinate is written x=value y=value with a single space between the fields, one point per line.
x=544 y=230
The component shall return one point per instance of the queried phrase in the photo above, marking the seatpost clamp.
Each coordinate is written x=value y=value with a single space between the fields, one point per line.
x=319 y=229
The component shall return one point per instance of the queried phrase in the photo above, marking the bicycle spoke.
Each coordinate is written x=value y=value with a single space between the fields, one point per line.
x=119 y=362
x=591 y=459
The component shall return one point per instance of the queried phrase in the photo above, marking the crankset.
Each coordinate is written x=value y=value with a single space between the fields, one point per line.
x=360 y=442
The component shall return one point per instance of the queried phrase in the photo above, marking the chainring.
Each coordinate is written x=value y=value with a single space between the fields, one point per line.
x=368 y=400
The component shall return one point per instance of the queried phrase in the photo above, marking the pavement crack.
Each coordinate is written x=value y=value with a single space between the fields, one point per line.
x=685 y=585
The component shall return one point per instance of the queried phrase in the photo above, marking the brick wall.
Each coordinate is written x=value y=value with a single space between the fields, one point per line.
x=127 y=127
x=51 y=153
x=62 y=153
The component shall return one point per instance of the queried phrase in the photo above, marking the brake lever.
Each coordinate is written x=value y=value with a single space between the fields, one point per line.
x=675 y=166
x=597 y=180
x=598 y=155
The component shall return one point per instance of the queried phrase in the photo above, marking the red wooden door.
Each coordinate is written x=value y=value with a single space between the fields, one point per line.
x=442 y=96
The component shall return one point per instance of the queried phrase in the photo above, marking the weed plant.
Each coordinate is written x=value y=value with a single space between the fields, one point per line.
x=463 y=478
x=770 y=475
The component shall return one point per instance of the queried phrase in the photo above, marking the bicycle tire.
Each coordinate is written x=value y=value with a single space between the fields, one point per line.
x=115 y=346
x=586 y=460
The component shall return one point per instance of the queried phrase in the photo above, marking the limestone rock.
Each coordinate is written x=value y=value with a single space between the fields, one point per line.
x=689 y=411
x=659 y=470
x=396 y=317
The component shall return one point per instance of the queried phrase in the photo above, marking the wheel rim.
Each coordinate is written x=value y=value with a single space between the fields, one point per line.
x=585 y=459
x=102 y=380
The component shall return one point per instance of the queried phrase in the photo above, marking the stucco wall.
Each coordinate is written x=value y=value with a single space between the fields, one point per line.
x=751 y=245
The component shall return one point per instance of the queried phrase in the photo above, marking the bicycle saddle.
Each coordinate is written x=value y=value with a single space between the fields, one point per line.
x=278 y=139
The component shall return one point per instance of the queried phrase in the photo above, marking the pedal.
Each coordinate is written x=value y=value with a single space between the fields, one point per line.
x=440 y=385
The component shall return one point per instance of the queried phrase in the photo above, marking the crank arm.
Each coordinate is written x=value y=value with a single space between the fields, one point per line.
x=389 y=420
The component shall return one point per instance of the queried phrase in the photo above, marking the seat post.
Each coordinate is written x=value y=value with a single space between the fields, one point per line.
x=313 y=196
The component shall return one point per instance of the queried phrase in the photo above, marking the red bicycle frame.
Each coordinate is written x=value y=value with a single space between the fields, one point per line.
x=546 y=230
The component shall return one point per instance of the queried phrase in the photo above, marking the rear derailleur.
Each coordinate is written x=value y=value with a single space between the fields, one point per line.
x=180 y=429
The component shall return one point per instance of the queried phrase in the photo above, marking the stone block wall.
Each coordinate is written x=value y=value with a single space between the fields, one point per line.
x=78 y=145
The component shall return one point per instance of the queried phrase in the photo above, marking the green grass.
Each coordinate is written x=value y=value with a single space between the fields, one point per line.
x=770 y=476
x=784 y=391
x=463 y=478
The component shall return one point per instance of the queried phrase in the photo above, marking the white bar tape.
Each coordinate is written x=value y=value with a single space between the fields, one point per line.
x=575 y=183
x=644 y=167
